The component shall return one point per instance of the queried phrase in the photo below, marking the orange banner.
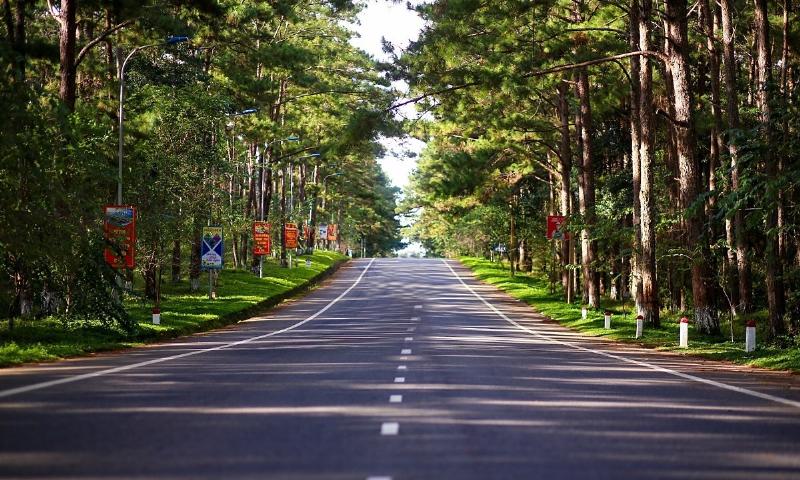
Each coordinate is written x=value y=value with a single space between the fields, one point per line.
x=119 y=227
x=290 y=235
x=332 y=231
x=262 y=243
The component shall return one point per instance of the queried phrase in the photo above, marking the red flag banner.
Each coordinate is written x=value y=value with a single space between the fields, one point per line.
x=332 y=231
x=262 y=243
x=119 y=226
x=556 y=225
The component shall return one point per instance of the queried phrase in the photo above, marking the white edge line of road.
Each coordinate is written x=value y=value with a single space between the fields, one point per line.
x=86 y=376
x=724 y=386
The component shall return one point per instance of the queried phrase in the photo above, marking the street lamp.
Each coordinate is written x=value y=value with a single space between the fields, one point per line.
x=172 y=40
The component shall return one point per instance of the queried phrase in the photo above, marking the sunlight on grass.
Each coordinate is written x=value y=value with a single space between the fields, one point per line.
x=239 y=294
x=536 y=292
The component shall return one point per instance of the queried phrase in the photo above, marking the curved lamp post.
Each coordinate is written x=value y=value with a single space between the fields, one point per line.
x=121 y=74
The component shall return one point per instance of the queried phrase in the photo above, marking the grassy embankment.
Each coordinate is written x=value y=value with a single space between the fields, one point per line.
x=240 y=294
x=536 y=292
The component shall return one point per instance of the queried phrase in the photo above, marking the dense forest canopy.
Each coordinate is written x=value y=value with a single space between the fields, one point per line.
x=666 y=132
x=233 y=112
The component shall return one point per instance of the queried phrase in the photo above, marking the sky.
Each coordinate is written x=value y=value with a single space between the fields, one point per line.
x=399 y=25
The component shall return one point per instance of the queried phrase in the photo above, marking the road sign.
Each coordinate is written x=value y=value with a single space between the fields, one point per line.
x=500 y=248
x=332 y=232
x=323 y=231
x=555 y=227
x=290 y=235
x=211 y=249
x=262 y=243
x=119 y=226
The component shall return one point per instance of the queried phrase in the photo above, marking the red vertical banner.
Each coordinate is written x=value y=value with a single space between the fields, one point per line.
x=119 y=227
x=262 y=243
x=332 y=231
x=556 y=225
x=307 y=233
x=290 y=235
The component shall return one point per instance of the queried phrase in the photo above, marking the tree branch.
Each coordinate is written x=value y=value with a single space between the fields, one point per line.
x=85 y=50
x=538 y=73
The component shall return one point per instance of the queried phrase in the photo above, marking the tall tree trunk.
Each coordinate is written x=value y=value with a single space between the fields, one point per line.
x=775 y=289
x=635 y=122
x=647 y=263
x=194 y=261
x=564 y=171
x=705 y=314
x=66 y=45
x=743 y=268
x=588 y=245
x=176 y=261
x=312 y=237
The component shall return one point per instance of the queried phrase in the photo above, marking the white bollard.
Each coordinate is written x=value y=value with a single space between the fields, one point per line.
x=684 y=336
x=639 y=326
x=584 y=313
x=750 y=337
x=607 y=319
x=156 y=316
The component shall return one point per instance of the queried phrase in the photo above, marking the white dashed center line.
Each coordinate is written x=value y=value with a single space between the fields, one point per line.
x=379 y=478
x=415 y=319
x=402 y=367
x=390 y=428
x=409 y=339
x=405 y=351
x=395 y=399
x=399 y=379
x=417 y=307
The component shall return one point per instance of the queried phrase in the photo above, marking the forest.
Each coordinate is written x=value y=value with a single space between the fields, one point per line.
x=665 y=132
x=211 y=112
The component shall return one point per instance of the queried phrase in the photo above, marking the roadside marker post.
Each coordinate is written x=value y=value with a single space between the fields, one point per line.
x=607 y=318
x=156 y=316
x=584 y=313
x=684 y=335
x=639 y=326
x=750 y=337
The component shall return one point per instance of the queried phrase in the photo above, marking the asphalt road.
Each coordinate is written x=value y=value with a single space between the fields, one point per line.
x=397 y=369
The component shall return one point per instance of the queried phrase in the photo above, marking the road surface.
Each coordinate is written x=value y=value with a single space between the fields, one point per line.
x=397 y=369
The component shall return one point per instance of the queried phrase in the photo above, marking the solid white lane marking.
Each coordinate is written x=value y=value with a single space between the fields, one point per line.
x=713 y=383
x=390 y=428
x=86 y=376
x=409 y=339
x=405 y=351
x=395 y=399
x=399 y=379
x=402 y=367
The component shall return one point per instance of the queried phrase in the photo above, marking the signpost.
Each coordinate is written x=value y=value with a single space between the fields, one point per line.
x=323 y=232
x=555 y=227
x=332 y=232
x=119 y=226
x=211 y=254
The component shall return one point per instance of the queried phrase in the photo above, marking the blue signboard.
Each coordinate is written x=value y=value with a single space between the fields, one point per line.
x=211 y=249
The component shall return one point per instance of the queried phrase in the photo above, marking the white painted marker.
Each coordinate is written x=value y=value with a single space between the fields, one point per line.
x=395 y=399
x=405 y=351
x=379 y=478
x=402 y=367
x=409 y=339
x=399 y=379
x=415 y=319
x=417 y=307
x=390 y=428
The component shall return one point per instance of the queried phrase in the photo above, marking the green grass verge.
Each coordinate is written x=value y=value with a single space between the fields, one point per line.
x=536 y=292
x=240 y=295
